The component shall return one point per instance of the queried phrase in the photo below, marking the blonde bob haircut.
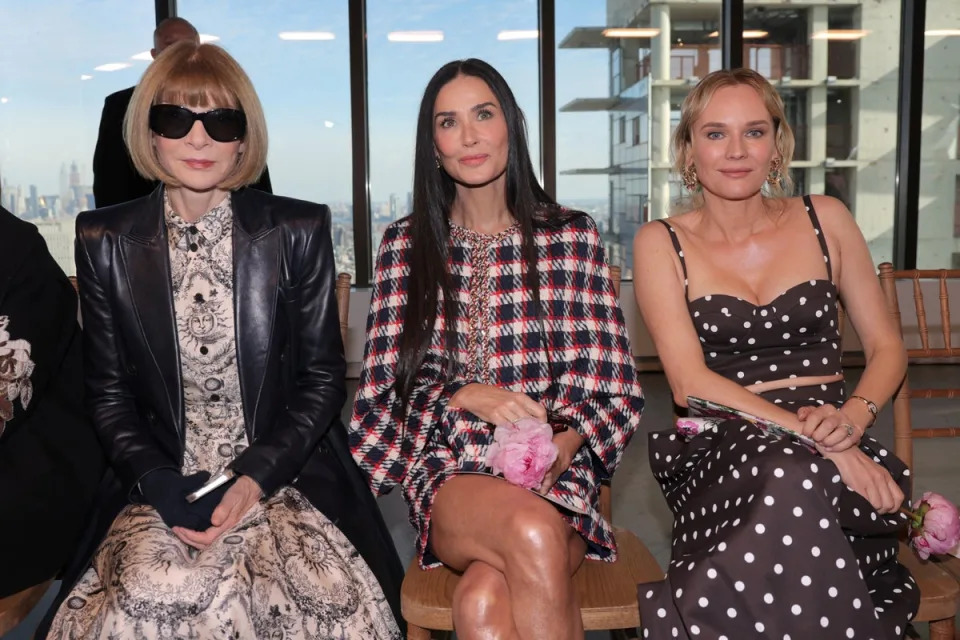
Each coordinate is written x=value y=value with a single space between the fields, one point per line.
x=693 y=107
x=195 y=75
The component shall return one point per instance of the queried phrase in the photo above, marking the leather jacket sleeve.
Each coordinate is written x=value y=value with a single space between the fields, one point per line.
x=317 y=391
x=130 y=448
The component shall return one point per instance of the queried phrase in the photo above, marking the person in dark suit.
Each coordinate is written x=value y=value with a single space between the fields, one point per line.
x=115 y=179
x=213 y=349
x=50 y=459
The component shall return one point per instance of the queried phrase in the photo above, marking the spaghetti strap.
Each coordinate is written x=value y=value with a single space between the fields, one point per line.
x=676 y=245
x=808 y=203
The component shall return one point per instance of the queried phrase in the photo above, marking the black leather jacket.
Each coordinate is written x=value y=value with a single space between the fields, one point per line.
x=289 y=354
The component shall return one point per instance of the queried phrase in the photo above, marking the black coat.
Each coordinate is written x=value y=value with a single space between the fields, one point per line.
x=289 y=356
x=115 y=179
x=50 y=459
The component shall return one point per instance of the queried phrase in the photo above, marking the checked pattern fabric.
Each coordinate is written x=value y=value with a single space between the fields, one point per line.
x=572 y=355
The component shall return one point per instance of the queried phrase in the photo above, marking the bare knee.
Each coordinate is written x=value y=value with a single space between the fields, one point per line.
x=539 y=539
x=481 y=606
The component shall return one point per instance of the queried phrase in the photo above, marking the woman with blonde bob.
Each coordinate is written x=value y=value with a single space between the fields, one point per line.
x=213 y=350
x=776 y=535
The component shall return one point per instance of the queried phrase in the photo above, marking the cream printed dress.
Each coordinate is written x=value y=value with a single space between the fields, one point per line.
x=285 y=571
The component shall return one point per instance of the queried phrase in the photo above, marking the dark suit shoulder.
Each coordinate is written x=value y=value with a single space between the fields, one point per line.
x=18 y=239
x=123 y=218
x=258 y=208
x=121 y=97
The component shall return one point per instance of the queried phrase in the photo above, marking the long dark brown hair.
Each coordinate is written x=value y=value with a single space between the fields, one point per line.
x=434 y=193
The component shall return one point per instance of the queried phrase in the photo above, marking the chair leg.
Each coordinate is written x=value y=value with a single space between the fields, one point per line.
x=419 y=633
x=942 y=629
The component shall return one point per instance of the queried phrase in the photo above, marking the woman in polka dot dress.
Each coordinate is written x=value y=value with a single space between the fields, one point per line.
x=771 y=539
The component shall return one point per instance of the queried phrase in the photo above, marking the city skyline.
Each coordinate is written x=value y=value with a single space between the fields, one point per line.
x=49 y=115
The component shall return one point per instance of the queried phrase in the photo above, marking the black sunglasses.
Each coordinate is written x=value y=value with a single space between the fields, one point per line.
x=172 y=121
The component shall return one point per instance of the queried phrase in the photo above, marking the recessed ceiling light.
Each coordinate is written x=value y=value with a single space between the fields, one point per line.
x=415 y=36
x=839 y=34
x=206 y=37
x=942 y=32
x=747 y=34
x=143 y=55
x=307 y=35
x=644 y=32
x=112 y=66
x=86 y=77
x=528 y=34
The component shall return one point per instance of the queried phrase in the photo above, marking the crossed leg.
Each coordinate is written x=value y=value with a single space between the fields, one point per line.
x=517 y=556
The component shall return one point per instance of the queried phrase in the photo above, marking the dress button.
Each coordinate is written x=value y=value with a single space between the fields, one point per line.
x=215 y=397
x=204 y=350
x=193 y=246
x=192 y=229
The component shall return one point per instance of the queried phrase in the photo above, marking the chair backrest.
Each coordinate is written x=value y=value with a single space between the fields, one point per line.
x=606 y=499
x=343 y=304
x=903 y=431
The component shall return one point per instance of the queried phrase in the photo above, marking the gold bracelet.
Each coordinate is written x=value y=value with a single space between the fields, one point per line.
x=871 y=407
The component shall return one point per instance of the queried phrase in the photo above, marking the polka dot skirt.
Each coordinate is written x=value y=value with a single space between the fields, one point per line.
x=768 y=542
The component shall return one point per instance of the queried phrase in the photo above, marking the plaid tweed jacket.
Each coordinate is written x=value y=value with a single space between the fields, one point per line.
x=573 y=357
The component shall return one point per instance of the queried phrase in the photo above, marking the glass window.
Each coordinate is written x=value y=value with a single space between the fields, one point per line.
x=652 y=57
x=406 y=44
x=297 y=54
x=938 y=233
x=59 y=59
x=866 y=37
x=837 y=74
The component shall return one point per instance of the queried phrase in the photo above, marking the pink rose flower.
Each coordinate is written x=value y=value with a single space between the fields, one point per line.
x=688 y=428
x=522 y=451
x=934 y=526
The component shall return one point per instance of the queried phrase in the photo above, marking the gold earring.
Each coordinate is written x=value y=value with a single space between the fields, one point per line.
x=689 y=178
x=773 y=178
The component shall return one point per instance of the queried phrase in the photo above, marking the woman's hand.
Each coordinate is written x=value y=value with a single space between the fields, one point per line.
x=495 y=405
x=867 y=478
x=829 y=427
x=568 y=443
x=238 y=499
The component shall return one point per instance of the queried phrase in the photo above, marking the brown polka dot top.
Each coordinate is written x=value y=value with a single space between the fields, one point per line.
x=794 y=335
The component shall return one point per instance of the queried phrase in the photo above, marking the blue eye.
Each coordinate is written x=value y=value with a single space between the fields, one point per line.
x=755 y=133
x=714 y=135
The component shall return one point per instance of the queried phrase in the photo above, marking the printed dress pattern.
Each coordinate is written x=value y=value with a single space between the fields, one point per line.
x=285 y=571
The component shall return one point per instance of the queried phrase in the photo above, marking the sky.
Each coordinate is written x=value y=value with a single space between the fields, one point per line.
x=49 y=115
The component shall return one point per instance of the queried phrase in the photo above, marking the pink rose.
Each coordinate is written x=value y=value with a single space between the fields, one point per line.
x=935 y=525
x=522 y=451
x=688 y=428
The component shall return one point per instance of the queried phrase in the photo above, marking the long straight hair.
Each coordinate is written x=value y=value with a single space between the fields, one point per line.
x=434 y=193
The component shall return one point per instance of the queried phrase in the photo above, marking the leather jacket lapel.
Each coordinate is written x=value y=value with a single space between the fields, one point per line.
x=146 y=262
x=256 y=268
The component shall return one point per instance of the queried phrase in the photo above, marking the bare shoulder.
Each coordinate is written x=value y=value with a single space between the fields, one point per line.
x=651 y=236
x=833 y=215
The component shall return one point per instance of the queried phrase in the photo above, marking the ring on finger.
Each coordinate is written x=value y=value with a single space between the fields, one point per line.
x=849 y=428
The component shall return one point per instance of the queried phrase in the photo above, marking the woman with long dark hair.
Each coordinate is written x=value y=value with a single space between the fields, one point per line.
x=491 y=304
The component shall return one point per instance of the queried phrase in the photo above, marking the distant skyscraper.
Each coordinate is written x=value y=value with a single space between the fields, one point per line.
x=409 y=203
x=394 y=206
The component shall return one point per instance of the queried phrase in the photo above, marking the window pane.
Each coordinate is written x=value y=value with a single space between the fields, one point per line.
x=613 y=128
x=51 y=95
x=938 y=242
x=406 y=45
x=836 y=71
x=297 y=53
